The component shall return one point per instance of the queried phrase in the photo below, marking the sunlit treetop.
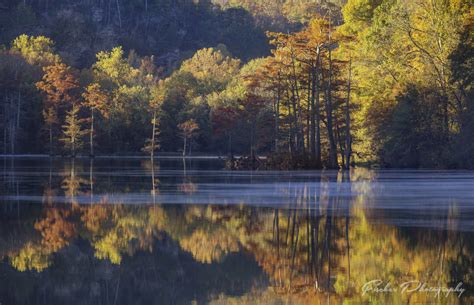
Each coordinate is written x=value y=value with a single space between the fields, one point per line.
x=238 y=87
x=212 y=66
x=59 y=84
x=114 y=67
x=37 y=50
x=358 y=14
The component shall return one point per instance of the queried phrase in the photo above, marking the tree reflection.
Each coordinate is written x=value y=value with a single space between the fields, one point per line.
x=31 y=257
x=321 y=244
x=72 y=183
x=57 y=227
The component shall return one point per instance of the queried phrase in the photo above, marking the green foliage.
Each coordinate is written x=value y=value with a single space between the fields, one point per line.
x=129 y=90
x=189 y=91
x=237 y=87
x=212 y=68
x=113 y=67
x=403 y=48
x=359 y=13
x=414 y=136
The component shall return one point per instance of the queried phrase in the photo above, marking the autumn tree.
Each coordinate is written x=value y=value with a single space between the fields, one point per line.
x=20 y=68
x=308 y=88
x=212 y=67
x=389 y=83
x=97 y=101
x=159 y=94
x=128 y=88
x=37 y=50
x=73 y=131
x=428 y=32
x=188 y=130
x=59 y=86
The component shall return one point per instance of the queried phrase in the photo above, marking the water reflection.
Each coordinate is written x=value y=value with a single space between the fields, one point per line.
x=328 y=234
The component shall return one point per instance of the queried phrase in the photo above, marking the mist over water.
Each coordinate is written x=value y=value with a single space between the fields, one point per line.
x=200 y=233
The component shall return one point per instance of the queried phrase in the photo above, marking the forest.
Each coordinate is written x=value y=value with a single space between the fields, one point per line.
x=307 y=84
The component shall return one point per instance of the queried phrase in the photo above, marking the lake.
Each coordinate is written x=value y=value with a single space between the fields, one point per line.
x=174 y=231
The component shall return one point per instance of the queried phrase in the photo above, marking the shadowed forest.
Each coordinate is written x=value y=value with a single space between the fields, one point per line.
x=308 y=84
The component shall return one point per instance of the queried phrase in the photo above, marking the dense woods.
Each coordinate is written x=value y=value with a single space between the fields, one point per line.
x=310 y=85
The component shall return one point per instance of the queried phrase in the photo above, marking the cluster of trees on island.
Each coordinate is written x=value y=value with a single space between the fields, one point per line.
x=386 y=81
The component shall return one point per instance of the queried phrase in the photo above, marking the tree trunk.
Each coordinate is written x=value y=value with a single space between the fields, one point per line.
x=17 y=123
x=348 y=120
x=308 y=115
x=296 y=132
x=50 y=139
x=318 y=109
x=312 y=127
x=329 y=110
x=92 y=134
x=340 y=141
x=73 y=140
x=291 y=130
x=152 y=151
x=277 y=117
x=298 y=115
x=91 y=180
x=184 y=148
x=118 y=13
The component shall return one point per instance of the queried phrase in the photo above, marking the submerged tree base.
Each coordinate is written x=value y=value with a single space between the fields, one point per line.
x=273 y=162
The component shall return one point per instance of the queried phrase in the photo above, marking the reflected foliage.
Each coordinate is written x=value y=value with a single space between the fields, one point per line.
x=319 y=248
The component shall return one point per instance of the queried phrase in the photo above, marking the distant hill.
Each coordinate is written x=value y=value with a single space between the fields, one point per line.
x=169 y=29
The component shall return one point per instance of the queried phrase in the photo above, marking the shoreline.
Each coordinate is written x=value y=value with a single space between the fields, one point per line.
x=45 y=156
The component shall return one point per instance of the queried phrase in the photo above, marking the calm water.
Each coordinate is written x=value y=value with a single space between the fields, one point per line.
x=131 y=231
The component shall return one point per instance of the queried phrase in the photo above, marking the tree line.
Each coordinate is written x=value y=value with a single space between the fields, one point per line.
x=386 y=82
